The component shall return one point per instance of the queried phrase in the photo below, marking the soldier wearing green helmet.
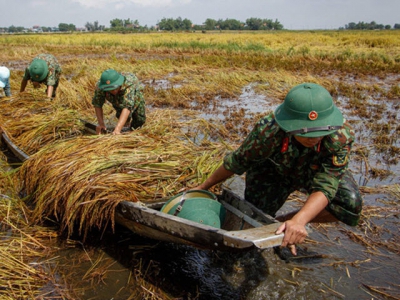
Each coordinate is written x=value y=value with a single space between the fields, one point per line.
x=124 y=91
x=43 y=69
x=304 y=145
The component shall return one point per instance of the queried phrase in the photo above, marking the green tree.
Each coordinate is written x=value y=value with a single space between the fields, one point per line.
x=254 y=23
x=46 y=29
x=13 y=28
x=230 y=24
x=363 y=25
x=115 y=23
x=177 y=24
x=89 y=26
x=187 y=24
x=277 y=25
x=166 y=24
x=94 y=26
x=210 y=24
x=63 y=27
x=66 y=27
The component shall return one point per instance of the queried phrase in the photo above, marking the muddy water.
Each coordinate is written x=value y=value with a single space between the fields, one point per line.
x=342 y=269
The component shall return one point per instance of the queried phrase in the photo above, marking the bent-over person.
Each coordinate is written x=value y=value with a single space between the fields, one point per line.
x=124 y=91
x=43 y=69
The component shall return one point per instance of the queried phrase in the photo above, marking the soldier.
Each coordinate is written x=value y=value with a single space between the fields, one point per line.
x=5 y=80
x=304 y=145
x=124 y=92
x=44 y=68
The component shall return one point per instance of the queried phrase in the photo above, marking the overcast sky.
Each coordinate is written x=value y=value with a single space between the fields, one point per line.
x=292 y=14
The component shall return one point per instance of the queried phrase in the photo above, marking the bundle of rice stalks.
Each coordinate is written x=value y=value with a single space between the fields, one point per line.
x=81 y=180
x=32 y=124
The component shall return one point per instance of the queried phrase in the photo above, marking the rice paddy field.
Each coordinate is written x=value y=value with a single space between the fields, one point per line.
x=203 y=92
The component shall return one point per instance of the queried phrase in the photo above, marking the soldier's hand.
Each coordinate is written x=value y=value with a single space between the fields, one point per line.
x=294 y=234
x=101 y=129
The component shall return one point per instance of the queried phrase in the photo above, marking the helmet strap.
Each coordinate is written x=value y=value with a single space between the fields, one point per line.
x=313 y=129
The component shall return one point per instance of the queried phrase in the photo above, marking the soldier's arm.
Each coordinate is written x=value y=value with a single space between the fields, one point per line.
x=218 y=176
x=24 y=82
x=50 y=90
x=294 y=229
x=121 y=121
x=100 y=120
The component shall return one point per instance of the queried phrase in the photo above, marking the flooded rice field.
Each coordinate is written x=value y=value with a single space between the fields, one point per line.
x=339 y=262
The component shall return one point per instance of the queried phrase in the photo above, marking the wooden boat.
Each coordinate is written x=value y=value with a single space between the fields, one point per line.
x=244 y=226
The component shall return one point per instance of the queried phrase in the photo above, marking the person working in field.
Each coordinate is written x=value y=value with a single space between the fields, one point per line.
x=5 y=80
x=124 y=92
x=45 y=69
x=304 y=144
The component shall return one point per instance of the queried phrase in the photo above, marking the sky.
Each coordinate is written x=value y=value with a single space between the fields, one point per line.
x=292 y=14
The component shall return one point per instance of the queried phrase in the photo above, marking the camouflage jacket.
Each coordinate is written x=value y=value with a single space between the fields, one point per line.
x=130 y=95
x=54 y=70
x=271 y=150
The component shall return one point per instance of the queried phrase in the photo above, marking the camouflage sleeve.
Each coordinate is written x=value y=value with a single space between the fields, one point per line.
x=257 y=147
x=27 y=76
x=99 y=97
x=335 y=162
x=133 y=97
x=129 y=100
x=54 y=74
x=51 y=77
x=139 y=100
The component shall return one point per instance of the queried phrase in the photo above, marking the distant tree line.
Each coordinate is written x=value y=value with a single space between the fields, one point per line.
x=66 y=27
x=369 y=26
x=227 y=24
x=179 y=24
x=166 y=24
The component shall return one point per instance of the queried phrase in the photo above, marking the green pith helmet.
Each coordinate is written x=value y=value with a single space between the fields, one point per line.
x=308 y=110
x=203 y=211
x=38 y=70
x=186 y=195
x=110 y=80
x=198 y=206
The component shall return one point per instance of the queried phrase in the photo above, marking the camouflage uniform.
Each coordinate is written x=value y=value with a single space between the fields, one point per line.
x=130 y=96
x=53 y=77
x=276 y=165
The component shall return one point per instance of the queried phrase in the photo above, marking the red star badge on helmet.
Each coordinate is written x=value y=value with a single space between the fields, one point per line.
x=108 y=81
x=313 y=115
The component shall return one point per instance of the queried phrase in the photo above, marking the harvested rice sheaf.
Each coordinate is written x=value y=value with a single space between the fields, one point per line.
x=32 y=124
x=82 y=180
